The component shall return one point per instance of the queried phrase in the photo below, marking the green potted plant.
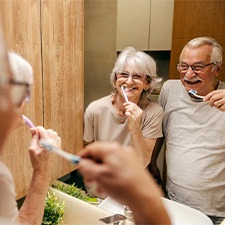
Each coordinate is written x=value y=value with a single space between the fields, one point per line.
x=54 y=210
x=73 y=190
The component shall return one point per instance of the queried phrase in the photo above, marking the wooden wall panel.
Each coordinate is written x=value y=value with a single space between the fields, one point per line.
x=49 y=34
x=21 y=26
x=193 y=18
x=62 y=38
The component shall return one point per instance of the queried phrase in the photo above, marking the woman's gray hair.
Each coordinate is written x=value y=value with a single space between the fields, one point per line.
x=143 y=63
x=21 y=69
x=217 y=50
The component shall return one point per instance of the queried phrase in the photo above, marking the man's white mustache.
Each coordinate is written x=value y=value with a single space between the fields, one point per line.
x=195 y=79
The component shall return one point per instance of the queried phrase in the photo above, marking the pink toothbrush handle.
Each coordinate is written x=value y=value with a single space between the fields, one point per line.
x=28 y=122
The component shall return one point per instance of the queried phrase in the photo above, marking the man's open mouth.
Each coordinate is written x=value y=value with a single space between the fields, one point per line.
x=193 y=82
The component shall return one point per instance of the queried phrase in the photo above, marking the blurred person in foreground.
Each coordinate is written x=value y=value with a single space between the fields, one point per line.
x=117 y=173
x=12 y=93
x=22 y=73
x=135 y=121
x=194 y=130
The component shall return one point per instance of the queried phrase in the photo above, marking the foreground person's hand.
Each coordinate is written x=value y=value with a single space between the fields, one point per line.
x=115 y=169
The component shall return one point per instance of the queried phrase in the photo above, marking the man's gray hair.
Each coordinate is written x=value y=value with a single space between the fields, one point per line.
x=217 y=50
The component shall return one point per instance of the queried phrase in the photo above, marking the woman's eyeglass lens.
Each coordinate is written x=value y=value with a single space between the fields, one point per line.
x=20 y=92
x=183 y=67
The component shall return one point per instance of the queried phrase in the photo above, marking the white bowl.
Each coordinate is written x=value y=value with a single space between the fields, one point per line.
x=179 y=214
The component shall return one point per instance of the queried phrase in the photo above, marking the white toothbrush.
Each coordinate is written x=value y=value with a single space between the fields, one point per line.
x=47 y=145
x=124 y=94
x=194 y=95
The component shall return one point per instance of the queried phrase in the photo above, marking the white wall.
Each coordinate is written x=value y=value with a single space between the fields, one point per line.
x=99 y=47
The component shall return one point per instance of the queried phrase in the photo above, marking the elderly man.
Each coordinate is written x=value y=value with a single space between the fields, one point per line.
x=194 y=130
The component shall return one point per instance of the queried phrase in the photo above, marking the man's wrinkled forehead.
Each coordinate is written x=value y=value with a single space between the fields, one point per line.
x=201 y=53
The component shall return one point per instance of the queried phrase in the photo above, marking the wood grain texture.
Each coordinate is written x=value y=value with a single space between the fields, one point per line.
x=49 y=34
x=195 y=18
x=21 y=26
x=62 y=38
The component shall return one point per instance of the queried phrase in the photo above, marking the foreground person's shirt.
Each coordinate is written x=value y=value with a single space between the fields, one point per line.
x=8 y=204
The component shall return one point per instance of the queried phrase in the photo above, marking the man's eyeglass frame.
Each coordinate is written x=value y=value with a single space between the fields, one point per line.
x=202 y=66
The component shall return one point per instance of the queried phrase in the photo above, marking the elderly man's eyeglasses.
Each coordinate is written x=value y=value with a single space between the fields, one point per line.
x=20 y=92
x=125 y=76
x=197 y=68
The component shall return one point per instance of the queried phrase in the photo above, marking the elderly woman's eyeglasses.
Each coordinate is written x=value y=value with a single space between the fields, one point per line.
x=125 y=76
x=197 y=68
x=20 y=92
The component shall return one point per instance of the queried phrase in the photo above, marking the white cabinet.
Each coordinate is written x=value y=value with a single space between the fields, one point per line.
x=132 y=23
x=161 y=24
x=144 y=24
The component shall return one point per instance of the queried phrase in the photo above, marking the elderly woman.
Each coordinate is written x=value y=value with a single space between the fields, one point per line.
x=23 y=78
x=14 y=90
x=21 y=83
x=128 y=116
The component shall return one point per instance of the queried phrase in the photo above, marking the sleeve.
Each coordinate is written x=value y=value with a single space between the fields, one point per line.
x=164 y=100
x=88 y=125
x=162 y=95
x=152 y=126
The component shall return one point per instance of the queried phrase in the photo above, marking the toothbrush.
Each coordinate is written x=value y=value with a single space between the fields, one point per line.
x=124 y=94
x=47 y=145
x=28 y=122
x=194 y=95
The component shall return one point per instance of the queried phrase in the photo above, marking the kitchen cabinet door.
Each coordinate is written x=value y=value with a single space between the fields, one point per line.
x=161 y=23
x=144 y=24
x=132 y=24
